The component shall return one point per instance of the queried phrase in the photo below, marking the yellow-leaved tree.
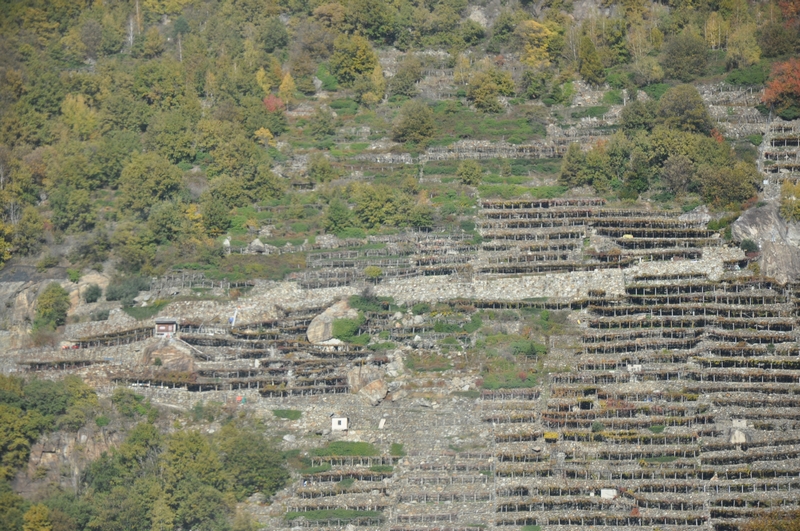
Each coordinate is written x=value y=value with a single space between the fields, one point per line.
x=535 y=39
x=287 y=89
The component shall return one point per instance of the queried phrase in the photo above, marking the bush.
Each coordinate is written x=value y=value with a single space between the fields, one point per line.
x=749 y=246
x=421 y=308
x=102 y=421
x=51 y=307
x=99 y=315
x=92 y=293
x=48 y=261
x=126 y=290
x=397 y=450
x=74 y=275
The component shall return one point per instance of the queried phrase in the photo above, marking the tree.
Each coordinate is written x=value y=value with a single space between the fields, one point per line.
x=470 y=172
x=352 y=56
x=78 y=116
x=775 y=39
x=743 y=49
x=274 y=35
x=338 y=217
x=685 y=56
x=29 y=231
x=571 y=166
x=535 y=39
x=373 y=273
x=638 y=115
x=146 y=180
x=287 y=89
x=51 y=307
x=320 y=169
x=486 y=86
x=5 y=243
x=404 y=81
x=252 y=460
x=783 y=89
x=371 y=18
x=323 y=123
x=677 y=173
x=591 y=68
x=73 y=210
x=682 y=107
x=415 y=123
x=216 y=217
x=165 y=221
x=724 y=185
x=37 y=518
x=92 y=293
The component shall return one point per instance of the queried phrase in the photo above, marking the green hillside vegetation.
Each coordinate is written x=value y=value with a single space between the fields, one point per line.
x=146 y=132
x=178 y=480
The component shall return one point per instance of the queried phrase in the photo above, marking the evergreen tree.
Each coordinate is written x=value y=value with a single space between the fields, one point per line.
x=591 y=68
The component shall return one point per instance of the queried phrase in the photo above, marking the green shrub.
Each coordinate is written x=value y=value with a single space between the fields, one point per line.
x=597 y=427
x=48 y=261
x=397 y=450
x=421 y=308
x=381 y=468
x=752 y=75
x=658 y=428
x=51 y=307
x=126 y=290
x=528 y=348
x=99 y=315
x=102 y=421
x=291 y=414
x=613 y=97
x=749 y=246
x=92 y=293
x=756 y=140
x=74 y=275
x=656 y=90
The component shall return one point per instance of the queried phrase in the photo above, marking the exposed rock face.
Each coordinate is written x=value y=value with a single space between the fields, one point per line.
x=374 y=392
x=321 y=327
x=780 y=254
x=362 y=376
x=173 y=356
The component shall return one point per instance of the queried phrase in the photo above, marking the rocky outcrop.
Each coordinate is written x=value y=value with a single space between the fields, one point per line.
x=321 y=327
x=778 y=241
x=373 y=393
x=174 y=356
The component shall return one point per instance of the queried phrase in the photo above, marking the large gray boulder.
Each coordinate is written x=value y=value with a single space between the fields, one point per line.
x=321 y=327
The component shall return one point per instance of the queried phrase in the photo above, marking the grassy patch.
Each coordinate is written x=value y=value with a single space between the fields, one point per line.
x=658 y=428
x=145 y=312
x=397 y=450
x=291 y=414
x=381 y=468
x=316 y=469
x=427 y=362
x=590 y=112
x=345 y=448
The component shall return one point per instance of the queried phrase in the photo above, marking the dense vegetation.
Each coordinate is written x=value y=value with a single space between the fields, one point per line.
x=153 y=480
x=147 y=131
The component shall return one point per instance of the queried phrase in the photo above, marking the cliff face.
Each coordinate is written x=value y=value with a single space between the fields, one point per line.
x=61 y=457
x=778 y=240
